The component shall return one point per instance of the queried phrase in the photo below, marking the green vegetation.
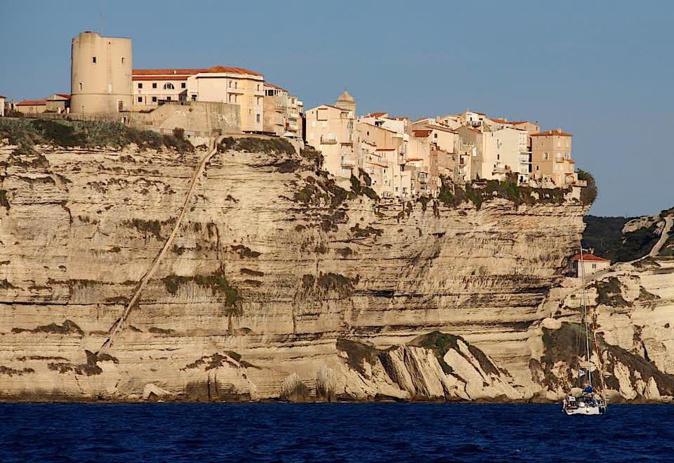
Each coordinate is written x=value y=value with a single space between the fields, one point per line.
x=4 y=202
x=245 y=251
x=358 y=354
x=217 y=282
x=257 y=145
x=147 y=226
x=478 y=192
x=609 y=292
x=27 y=133
x=440 y=344
x=68 y=327
x=605 y=236
x=358 y=188
x=589 y=193
x=313 y=156
x=329 y=282
x=359 y=232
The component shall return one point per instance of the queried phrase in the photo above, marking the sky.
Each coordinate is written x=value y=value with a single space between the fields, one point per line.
x=602 y=70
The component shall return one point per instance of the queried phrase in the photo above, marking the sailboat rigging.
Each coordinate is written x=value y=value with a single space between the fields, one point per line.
x=589 y=401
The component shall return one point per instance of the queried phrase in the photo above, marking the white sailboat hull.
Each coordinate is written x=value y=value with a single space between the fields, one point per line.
x=582 y=406
x=587 y=411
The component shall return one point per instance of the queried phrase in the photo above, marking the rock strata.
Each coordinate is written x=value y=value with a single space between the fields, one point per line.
x=281 y=284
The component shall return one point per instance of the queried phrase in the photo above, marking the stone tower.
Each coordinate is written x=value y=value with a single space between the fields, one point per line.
x=100 y=74
x=346 y=101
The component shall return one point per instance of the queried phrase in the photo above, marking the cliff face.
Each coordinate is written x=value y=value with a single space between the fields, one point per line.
x=278 y=283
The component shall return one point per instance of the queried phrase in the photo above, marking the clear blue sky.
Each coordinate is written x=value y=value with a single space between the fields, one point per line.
x=603 y=70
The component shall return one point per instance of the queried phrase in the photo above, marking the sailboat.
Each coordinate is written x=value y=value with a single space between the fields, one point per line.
x=589 y=401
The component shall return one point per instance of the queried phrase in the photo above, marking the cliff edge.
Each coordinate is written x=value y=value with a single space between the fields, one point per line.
x=278 y=284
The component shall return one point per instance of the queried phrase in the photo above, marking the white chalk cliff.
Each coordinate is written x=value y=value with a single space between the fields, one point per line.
x=279 y=284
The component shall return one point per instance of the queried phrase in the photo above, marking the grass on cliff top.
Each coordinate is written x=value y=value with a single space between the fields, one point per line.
x=27 y=133
x=257 y=145
x=479 y=192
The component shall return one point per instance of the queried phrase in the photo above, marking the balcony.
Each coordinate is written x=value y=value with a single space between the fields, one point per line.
x=347 y=162
x=329 y=139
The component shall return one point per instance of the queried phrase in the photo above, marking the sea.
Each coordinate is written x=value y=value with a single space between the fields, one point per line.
x=381 y=432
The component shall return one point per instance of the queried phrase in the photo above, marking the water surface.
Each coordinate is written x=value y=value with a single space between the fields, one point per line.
x=331 y=432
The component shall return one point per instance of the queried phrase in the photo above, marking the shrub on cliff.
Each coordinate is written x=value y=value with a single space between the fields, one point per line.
x=28 y=132
x=588 y=194
x=257 y=145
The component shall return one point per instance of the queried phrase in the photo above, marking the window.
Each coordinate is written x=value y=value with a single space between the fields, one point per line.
x=194 y=98
x=257 y=118
x=168 y=98
x=140 y=85
x=80 y=86
x=140 y=99
x=154 y=84
x=168 y=86
x=546 y=156
x=183 y=85
x=122 y=60
x=258 y=87
x=229 y=83
x=154 y=99
x=236 y=84
x=93 y=60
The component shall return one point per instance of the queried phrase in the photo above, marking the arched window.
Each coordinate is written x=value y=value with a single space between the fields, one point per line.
x=168 y=86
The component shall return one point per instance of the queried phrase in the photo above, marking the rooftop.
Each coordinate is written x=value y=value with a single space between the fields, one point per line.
x=587 y=257
x=186 y=72
x=552 y=133
x=32 y=103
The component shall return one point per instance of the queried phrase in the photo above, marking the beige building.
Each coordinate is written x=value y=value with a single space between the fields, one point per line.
x=100 y=74
x=233 y=85
x=389 y=155
x=152 y=87
x=217 y=84
x=496 y=152
x=330 y=130
x=282 y=112
x=551 y=159
x=58 y=103
x=29 y=107
x=2 y=105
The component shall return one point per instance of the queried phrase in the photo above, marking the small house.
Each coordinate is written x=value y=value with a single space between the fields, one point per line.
x=587 y=264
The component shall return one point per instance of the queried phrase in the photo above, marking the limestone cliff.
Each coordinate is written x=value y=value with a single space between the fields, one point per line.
x=278 y=284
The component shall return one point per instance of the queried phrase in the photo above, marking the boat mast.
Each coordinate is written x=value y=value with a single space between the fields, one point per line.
x=585 y=324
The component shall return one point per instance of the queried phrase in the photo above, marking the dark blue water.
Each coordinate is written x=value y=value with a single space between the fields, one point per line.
x=331 y=433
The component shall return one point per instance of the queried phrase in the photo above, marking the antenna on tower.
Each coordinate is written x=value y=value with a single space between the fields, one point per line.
x=101 y=17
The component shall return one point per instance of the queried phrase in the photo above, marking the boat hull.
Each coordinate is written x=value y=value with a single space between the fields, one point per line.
x=586 y=411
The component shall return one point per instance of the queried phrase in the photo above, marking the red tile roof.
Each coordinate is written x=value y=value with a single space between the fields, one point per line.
x=32 y=103
x=145 y=78
x=65 y=96
x=376 y=115
x=165 y=72
x=421 y=133
x=186 y=72
x=552 y=133
x=506 y=121
x=589 y=257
